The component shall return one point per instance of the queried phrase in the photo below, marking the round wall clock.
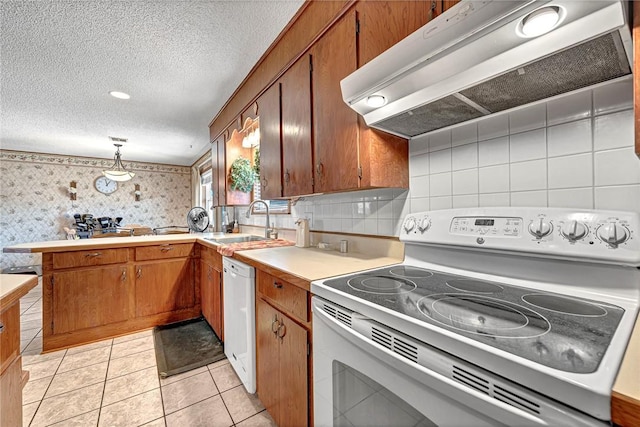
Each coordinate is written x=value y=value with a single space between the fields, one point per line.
x=105 y=185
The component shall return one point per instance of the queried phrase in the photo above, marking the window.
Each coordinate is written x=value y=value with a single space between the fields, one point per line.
x=206 y=193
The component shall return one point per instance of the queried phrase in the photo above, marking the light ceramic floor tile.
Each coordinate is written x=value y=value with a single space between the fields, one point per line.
x=68 y=405
x=208 y=413
x=174 y=378
x=39 y=358
x=128 y=364
x=84 y=420
x=130 y=347
x=134 y=411
x=78 y=378
x=129 y=385
x=218 y=364
x=225 y=377
x=30 y=317
x=241 y=405
x=156 y=423
x=35 y=308
x=29 y=334
x=187 y=392
x=30 y=324
x=134 y=336
x=86 y=358
x=35 y=389
x=261 y=419
x=35 y=344
x=28 y=411
x=92 y=346
x=43 y=369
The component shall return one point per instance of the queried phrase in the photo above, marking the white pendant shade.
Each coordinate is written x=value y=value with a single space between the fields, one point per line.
x=118 y=172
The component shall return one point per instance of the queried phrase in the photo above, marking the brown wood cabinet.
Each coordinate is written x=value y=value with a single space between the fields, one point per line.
x=270 y=155
x=89 y=298
x=165 y=286
x=283 y=360
x=211 y=290
x=297 y=155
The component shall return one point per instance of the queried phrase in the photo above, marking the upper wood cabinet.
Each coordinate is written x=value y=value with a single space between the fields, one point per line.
x=297 y=160
x=335 y=125
x=270 y=164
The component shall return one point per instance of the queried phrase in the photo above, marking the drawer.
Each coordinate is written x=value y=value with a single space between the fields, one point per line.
x=89 y=258
x=9 y=336
x=290 y=297
x=167 y=250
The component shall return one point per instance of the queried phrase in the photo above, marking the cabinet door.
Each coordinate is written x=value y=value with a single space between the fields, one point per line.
x=297 y=160
x=334 y=123
x=294 y=383
x=89 y=298
x=11 y=395
x=267 y=359
x=270 y=165
x=206 y=292
x=163 y=287
x=217 y=315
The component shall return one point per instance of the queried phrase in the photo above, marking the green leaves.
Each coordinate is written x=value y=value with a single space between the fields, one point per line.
x=243 y=175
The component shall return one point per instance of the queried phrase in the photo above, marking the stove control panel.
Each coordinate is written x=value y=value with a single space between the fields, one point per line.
x=601 y=236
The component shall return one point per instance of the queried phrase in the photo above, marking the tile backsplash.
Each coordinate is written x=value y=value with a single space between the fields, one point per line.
x=575 y=151
x=35 y=203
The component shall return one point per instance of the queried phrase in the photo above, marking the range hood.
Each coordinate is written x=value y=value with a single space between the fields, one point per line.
x=473 y=60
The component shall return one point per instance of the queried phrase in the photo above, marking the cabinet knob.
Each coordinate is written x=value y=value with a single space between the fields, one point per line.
x=124 y=275
x=1 y=328
x=277 y=285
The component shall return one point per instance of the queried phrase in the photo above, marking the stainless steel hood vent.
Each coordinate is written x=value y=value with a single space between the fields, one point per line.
x=488 y=68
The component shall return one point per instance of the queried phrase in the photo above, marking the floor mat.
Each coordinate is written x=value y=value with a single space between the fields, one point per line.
x=186 y=345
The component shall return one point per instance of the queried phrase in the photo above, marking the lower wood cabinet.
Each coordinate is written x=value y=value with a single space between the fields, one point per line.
x=211 y=296
x=11 y=395
x=165 y=286
x=283 y=363
x=88 y=298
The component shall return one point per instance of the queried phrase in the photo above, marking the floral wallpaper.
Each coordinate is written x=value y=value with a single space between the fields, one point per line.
x=35 y=203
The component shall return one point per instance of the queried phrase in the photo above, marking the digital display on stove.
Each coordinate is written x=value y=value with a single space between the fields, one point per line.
x=484 y=222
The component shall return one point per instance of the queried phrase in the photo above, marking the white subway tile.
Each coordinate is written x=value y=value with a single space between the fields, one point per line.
x=623 y=198
x=401 y=208
x=385 y=209
x=419 y=144
x=385 y=194
x=464 y=157
x=357 y=226
x=617 y=167
x=569 y=138
x=464 y=134
x=613 y=131
x=529 y=198
x=571 y=171
x=528 y=145
x=441 y=203
x=440 y=161
x=440 y=185
x=419 y=186
x=528 y=118
x=494 y=199
x=420 y=205
x=439 y=140
x=468 y=201
x=345 y=210
x=370 y=226
x=357 y=210
x=493 y=127
x=613 y=97
x=568 y=108
x=494 y=179
x=386 y=227
x=579 y=198
x=493 y=152
x=531 y=175
x=347 y=225
x=465 y=182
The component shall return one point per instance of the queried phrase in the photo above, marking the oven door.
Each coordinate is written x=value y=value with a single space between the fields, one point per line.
x=358 y=382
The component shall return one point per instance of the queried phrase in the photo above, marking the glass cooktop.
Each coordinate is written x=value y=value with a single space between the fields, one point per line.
x=559 y=331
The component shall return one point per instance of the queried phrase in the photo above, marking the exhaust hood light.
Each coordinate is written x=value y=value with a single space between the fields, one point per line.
x=540 y=21
x=119 y=95
x=376 y=101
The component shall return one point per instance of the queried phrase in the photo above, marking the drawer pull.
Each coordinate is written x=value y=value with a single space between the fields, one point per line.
x=1 y=328
x=282 y=331
x=139 y=272
x=274 y=326
x=277 y=285
x=166 y=248
x=124 y=275
x=93 y=255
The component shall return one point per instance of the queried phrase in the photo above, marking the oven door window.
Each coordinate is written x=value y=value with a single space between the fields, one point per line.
x=360 y=401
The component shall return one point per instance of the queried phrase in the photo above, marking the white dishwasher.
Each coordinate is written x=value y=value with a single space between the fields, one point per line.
x=239 y=300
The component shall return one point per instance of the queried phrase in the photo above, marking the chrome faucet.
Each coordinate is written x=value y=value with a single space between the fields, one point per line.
x=268 y=231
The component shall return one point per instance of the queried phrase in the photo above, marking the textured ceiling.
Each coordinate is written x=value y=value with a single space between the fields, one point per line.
x=179 y=60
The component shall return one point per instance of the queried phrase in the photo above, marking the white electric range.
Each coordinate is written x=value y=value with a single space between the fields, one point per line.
x=497 y=316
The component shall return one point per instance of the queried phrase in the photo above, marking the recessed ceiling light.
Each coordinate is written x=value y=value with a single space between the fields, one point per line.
x=540 y=21
x=119 y=95
x=376 y=101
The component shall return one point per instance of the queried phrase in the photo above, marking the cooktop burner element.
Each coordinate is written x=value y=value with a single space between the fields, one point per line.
x=565 y=305
x=545 y=328
x=381 y=285
x=483 y=315
x=475 y=286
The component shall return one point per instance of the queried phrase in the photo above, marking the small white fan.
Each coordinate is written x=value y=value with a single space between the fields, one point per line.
x=198 y=219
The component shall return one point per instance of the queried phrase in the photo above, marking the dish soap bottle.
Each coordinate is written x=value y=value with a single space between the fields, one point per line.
x=302 y=233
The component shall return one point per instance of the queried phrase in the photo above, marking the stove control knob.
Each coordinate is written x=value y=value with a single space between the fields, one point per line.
x=409 y=224
x=540 y=228
x=574 y=230
x=424 y=224
x=613 y=234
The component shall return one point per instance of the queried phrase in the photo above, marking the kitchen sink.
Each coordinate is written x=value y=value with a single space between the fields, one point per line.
x=239 y=239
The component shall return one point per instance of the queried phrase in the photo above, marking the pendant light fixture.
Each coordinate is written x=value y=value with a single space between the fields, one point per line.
x=117 y=172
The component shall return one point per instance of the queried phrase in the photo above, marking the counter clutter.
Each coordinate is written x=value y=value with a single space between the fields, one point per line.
x=161 y=279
